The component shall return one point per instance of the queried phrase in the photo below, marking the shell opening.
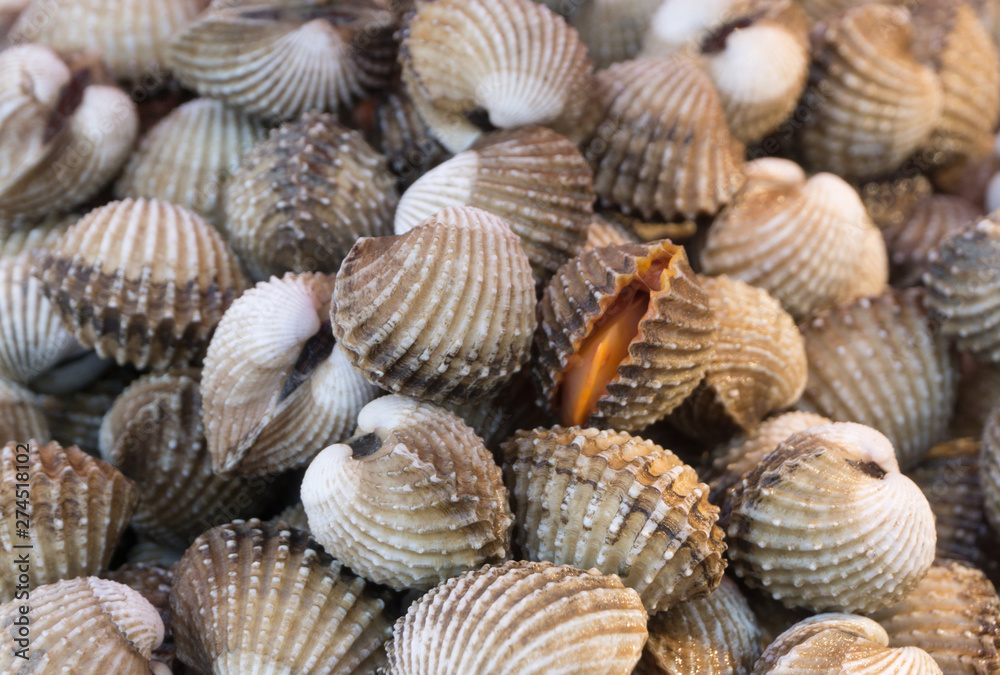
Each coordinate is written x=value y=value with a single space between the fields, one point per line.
x=715 y=42
x=869 y=468
x=364 y=446
x=70 y=99
x=480 y=118
x=315 y=351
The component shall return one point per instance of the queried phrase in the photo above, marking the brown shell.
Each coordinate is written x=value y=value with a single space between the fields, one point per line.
x=153 y=583
x=603 y=231
x=21 y=414
x=978 y=394
x=989 y=468
x=142 y=281
x=401 y=135
x=294 y=516
x=618 y=503
x=892 y=201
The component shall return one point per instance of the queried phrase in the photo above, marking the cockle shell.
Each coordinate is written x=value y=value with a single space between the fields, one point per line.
x=879 y=361
x=892 y=201
x=521 y=618
x=635 y=307
x=414 y=498
x=143 y=281
x=22 y=236
x=189 y=155
x=86 y=625
x=604 y=231
x=841 y=644
x=469 y=69
x=304 y=196
x=153 y=583
x=446 y=310
x=280 y=58
x=807 y=242
x=714 y=635
x=989 y=463
x=618 y=503
x=294 y=516
x=662 y=147
x=613 y=29
x=21 y=414
x=783 y=539
x=276 y=389
x=75 y=419
x=532 y=178
x=403 y=137
x=253 y=598
x=77 y=508
x=978 y=394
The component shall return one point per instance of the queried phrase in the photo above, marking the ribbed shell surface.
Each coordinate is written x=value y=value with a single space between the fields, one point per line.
x=153 y=583
x=21 y=414
x=989 y=467
x=403 y=137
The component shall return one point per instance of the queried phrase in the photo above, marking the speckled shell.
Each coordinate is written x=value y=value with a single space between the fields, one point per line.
x=714 y=635
x=809 y=243
x=446 y=310
x=276 y=389
x=962 y=283
x=280 y=58
x=989 y=463
x=463 y=82
x=414 y=498
x=21 y=414
x=249 y=597
x=153 y=583
x=143 y=281
x=606 y=232
x=189 y=155
x=79 y=507
x=532 y=178
x=662 y=147
x=879 y=361
x=521 y=618
x=841 y=644
x=670 y=353
x=304 y=196
x=613 y=29
x=403 y=137
x=619 y=503
x=86 y=625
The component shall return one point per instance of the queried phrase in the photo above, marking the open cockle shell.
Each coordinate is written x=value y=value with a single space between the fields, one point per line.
x=828 y=522
x=638 y=310
x=989 y=463
x=276 y=389
x=521 y=618
x=617 y=503
x=249 y=597
x=477 y=65
x=412 y=499
x=446 y=310
x=21 y=414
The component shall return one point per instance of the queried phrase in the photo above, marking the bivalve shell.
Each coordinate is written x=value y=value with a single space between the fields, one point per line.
x=403 y=137
x=989 y=462
x=21 y=414
x=607 y=232
x=153 y=583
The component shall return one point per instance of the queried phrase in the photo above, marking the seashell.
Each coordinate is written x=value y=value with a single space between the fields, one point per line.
x=304 y=196
x=52 y=115
x=527 y=618
x=773 y=618
x=79 y=506
x=276 y=389
x=618 y=503
x=961 y=288
x=894 y=200
x=9 y=11
x=978 y=394
x=189 y=155
x=713 y=635
x=758 y=366
x=879 y=103
x=832 y=644
x=146 y=552
x=532 y=178
x=412 y=499
x=662 y=147
x=294 y=516
x=331 y=54
x=249 y=597
x=782 y=540
x=403 y=137
x=500 y=84
x=152 y=583
x=86 y=625
x=989 y=462
x=23 y=236
x=636 y=308
x=788 y=235
x=21 y=414
x=879 y=361
x=607 y=232
x=143 y=281
x=391 y=291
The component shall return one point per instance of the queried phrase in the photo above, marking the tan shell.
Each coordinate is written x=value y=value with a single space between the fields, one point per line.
x=613 y=29
x=188 y=157
x=665 y=360
x=403 y=137
x=607 y=232
x=249 y=597
x=521 y=618
x=783 y=539
x=618 y=503
x=86 y=625
x=294 y=516
x=279 y=59
x=662 y=147
x=21 y=414
x=143 y=281
x=714 y=635
x=461 y=264
x=304 y=196
x=879 y=361
x=989 y=463
x=809 y=243
x=153 y=583
x=894 y=200
x=962 y=287
x=78 y=507
x=22 y=236
x=841 y=644
x=414 y=498
x=532 y=178
x=978 y=394
x=275 y=388
x=463 y=82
